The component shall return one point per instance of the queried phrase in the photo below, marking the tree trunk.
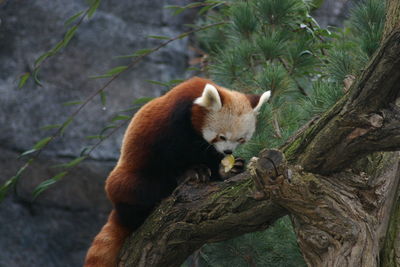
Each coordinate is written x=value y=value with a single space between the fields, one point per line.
x=343 y=219
x=391 y=251
x=340 y=198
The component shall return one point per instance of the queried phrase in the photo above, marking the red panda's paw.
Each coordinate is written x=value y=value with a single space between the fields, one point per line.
x=198 y=174
x=238 y=167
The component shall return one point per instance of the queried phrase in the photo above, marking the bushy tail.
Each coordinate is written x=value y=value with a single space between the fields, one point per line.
x=107 y=244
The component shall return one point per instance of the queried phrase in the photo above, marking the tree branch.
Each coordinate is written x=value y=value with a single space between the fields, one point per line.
x=200 y=213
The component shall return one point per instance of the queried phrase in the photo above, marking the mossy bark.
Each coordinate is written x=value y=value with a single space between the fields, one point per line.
x=391 y=253
x=392 y=17
x=197 y=214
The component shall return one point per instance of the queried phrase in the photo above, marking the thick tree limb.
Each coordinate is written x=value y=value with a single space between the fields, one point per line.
x=200 y=213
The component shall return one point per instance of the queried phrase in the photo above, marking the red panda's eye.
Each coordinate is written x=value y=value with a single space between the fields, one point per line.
x=223 y=138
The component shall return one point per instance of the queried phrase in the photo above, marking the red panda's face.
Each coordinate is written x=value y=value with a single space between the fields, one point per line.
x=230 y=122
x=226 y=130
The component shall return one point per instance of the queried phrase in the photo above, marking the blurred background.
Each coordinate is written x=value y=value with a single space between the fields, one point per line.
x=57 y=228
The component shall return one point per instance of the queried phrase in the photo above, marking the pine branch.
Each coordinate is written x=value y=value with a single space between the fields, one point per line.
x=301 y=89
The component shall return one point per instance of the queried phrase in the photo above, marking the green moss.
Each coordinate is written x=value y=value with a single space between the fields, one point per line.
x=390 y=252
x=373 y=165
x=233 y=190
x=309 y=177
x=292 y=150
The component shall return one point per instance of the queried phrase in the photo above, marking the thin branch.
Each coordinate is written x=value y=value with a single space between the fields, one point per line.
x=287 y=68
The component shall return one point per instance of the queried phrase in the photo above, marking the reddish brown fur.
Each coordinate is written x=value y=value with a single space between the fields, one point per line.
x=106 y=245
x=147 y=123
x=121 y=186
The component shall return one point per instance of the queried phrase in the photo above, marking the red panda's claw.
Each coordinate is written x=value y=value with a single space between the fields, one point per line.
x=199 y=174
x=238 y=166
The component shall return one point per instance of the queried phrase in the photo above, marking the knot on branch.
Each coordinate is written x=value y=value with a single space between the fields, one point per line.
x=315 y=238
x=268 y=172
x=366 y=123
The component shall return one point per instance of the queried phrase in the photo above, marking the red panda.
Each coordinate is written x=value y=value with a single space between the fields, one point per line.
x=197 y=122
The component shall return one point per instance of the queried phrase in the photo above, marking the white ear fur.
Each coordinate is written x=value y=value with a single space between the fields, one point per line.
x=263 y=98
x=210 y=98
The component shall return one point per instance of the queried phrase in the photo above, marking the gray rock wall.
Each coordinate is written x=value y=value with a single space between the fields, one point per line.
x=58 y=227
x=333 y=12
x=30 y=28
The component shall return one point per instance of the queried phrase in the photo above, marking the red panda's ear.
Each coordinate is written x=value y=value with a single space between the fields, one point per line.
x=256 y=101
x=210 y=98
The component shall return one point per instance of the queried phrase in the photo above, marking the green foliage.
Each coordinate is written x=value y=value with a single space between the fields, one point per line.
x=367 y=21
x=47 y=183
x=24 y=78
x=276 y=45
x=272 y=44
x=112 y=72
x=357 y=42
x=280 y=12
x=273 y=247
x=322 y=97
x=275 y=78
x=243 y=20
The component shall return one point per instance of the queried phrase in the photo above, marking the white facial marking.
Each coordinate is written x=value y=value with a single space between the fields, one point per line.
x=232 y=127
x=209 y=134
x=223 y=146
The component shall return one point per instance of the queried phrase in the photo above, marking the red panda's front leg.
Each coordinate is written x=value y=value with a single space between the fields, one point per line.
x=198 y=173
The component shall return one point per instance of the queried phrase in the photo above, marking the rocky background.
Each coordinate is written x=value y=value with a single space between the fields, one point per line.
x=57 y=228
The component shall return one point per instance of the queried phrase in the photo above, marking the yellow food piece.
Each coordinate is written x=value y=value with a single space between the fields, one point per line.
x=228 y=162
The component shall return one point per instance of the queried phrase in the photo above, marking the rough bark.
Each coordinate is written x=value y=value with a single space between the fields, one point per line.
x=340 y=200
x=343 y=218
x=392 y=16
x=202 y=213
x=391 y=251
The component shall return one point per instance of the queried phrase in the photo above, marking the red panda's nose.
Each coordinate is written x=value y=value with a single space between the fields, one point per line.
x=228 y=151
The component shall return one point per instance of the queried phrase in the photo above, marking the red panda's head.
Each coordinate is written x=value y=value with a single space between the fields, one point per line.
x=227 y=118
